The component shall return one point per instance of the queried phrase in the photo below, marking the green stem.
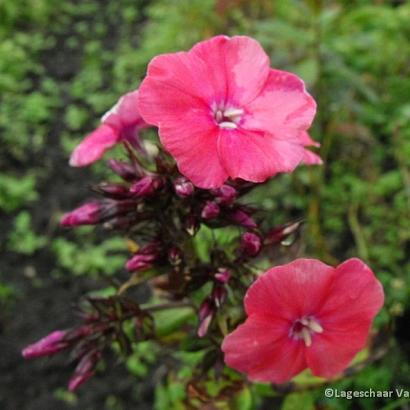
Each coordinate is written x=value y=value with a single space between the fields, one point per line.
x=357 y=231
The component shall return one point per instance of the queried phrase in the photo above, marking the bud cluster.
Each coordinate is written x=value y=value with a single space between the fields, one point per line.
x=103 y=320
x=160 y=212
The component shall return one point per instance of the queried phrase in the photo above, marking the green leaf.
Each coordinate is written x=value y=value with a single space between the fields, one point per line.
x=243 y=400
x=299 y=401
x=170 y=320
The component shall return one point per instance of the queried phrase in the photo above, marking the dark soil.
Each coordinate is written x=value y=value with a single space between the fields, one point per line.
x=44 y=303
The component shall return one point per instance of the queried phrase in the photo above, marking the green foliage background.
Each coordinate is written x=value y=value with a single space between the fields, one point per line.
x=63 y=64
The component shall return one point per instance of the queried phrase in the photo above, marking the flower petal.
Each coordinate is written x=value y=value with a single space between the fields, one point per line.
x=94 y=145
x=175 y=84
x=237 y=67
x=125 y=113
x=255 y=156
x=262 y=349
x=290 y=291
x=310 y=158
x=283 y=108
x=282 y=363
x=212 y=52
x=307 y=140
x=353 y=301
x=194 y=146
x=344 y=302
x=332 y=351
x=247 y=68
x=128 y=110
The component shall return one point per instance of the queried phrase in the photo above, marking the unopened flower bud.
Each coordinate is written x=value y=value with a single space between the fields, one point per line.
x=78 y=379
x=140 y=262
x=87 y=214
x=151 y=248
x=120 y=222
x=126 y=171
x=223 y=275
x=242 y=217
x=219 y=295
x=84 y=370
x=112 y=208
x=77 y=333
x=279 y=233
x=146 y=186
x=87 y=362
x=251 y=244
x=206 y=313
x=175 y=256
x=191 y=225
x=210 y=210
x=144 y=258
x=183 y=187
x=116 y=191
x=47 y=346
x=226 y=194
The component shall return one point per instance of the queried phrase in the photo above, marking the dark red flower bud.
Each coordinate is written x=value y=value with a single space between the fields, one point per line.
x=96 y=212
x=210 y=210
x=78 y=379
x=111 y=208
x=279 y=233
x=87 y=214
x=87 y=362
x=175 y=256
x=242 y=217
x=126 y=171
x=146 y=186
x=47 y=346
x=223 y=275
x=219 y=295
x=144 y=258
x=226 y=194
x=140 y=262
x=116 y=191
x=120 y=222
x=191 y=225
x=151 y=248
x=84 y=370
x=205 y=309
x=183 y=187
x=77 y=333
x=251 y=244
x=206 y=313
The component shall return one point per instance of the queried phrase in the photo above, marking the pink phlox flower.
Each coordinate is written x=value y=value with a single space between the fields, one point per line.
x=223 y=112
x=121 y=123
x=304 y=315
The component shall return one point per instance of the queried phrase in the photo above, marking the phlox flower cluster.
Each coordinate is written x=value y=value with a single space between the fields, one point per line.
x=227 y=122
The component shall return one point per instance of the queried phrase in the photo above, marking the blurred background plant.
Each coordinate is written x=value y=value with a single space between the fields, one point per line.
x=63 y=64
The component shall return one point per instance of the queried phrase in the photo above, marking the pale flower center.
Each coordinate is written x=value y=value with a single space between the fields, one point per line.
x=304 y=328
x=227 y=117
